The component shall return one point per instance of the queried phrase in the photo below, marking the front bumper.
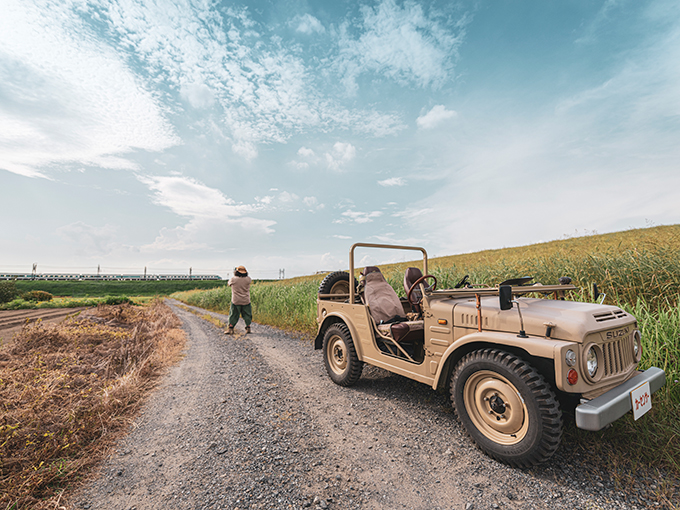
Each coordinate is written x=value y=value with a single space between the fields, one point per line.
x=609 y=407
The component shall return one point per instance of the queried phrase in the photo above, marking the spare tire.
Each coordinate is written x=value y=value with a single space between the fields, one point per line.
x=336 y=283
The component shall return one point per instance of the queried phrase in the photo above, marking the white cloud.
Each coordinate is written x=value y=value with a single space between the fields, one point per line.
x=247 y=150
x=68 y=98
x=393 y=181
x=307 y=24
x=341 y=154
x=90 y=240
x=177 y=239
x=71 y=96
x=361 y=217
x=595 y=25
x=435 y=116
x=328 y=262
x=335 y=159
x=313 y=203
x=189 y=198
x=214 y=220
x=265 y=90
x=288 y=198
x=305 y=152
x=400 y=42
x=199 y=95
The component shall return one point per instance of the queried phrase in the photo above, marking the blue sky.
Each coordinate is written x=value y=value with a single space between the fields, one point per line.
x=275 y=134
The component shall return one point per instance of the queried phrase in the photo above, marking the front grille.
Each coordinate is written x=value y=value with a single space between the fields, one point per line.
x=618 y=356
x=609 y=316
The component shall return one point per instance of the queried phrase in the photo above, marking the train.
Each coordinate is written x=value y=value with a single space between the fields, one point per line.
x=106 y=277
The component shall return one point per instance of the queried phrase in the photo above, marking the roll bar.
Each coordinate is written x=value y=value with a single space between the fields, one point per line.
x=386 y=246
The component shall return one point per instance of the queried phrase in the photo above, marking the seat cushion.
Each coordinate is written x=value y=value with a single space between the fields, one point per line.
x=403 y=332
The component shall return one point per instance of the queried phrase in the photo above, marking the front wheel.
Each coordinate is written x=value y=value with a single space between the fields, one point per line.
x=507 y=408
x=340 y=356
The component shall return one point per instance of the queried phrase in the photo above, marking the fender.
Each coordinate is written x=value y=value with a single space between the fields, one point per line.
x=318 y=341
x=536 y=346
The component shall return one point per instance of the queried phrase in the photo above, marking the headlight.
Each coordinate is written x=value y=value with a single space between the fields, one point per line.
x=570 y=358
x=637 y=345
x=591 y=362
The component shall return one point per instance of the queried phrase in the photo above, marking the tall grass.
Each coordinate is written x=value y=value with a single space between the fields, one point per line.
x=285 y=306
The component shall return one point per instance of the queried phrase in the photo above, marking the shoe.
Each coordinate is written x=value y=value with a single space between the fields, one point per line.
x=230 y=330
x=247 y=329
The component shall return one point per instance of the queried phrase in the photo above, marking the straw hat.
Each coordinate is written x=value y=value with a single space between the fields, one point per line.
x=241 y=269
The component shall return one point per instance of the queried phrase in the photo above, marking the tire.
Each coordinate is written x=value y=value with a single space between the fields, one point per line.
x=506 y=407
x=340 y=357
x=336 y=283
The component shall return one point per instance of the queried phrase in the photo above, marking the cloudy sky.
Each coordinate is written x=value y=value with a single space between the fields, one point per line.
x=208 y=134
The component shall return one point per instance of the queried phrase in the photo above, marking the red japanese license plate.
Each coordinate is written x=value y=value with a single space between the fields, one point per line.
x=641 y=398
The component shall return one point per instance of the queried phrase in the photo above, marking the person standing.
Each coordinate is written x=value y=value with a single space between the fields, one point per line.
x=240 y=299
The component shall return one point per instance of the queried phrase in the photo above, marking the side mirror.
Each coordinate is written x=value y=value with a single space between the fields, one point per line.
x=505 y=297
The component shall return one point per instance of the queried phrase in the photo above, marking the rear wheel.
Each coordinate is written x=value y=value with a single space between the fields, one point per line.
x=507 y=408
x=340 y=357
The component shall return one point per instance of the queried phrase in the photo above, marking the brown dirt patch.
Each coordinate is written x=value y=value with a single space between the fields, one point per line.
x=12 y=321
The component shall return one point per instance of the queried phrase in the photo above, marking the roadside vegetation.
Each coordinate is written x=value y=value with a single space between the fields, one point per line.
x=38 y=294
x=115 y=288
x=638 y=270
x=68 y=390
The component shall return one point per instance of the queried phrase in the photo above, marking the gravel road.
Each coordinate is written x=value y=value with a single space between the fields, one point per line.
x=253 y=421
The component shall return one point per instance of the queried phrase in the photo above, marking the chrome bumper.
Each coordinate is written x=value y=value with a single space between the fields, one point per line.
x=609 y=407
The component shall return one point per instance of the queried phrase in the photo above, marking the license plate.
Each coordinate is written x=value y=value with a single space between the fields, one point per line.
x=641 y=398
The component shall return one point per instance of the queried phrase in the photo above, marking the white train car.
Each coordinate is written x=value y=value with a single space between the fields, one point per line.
x=105 y=277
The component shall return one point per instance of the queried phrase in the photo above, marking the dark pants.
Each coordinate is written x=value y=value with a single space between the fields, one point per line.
x=245 y=311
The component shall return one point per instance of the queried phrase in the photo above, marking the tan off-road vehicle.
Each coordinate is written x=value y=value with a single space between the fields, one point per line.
x=512 y=364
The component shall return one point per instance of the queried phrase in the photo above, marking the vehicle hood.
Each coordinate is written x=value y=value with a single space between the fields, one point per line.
x=572 y=321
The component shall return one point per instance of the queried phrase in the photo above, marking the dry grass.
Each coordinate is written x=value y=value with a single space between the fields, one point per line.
x=68 y=390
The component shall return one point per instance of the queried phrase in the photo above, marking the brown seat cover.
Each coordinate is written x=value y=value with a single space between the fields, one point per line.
x=410 y=277
x=380 y=297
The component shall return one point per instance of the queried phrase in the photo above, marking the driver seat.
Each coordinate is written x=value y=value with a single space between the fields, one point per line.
x=410 y=277
x=386 y=308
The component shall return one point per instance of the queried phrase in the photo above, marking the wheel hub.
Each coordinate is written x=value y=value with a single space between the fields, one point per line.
x=337 y=356
x=497 y=404
x=495 y=407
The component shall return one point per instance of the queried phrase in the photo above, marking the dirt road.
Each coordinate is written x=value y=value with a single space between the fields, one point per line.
x=254 y=422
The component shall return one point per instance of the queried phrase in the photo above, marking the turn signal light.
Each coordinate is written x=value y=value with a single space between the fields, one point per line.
x=443 y=322
x=572 y=376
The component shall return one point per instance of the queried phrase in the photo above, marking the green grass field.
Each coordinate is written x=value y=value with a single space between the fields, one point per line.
x=116 y=288
x=639 y=270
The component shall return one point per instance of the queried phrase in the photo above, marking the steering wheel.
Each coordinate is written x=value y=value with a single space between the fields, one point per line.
x=416 y=283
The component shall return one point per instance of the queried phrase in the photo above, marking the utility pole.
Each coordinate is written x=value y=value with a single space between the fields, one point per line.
x=282 y=274
x=190 y=269
x=145 y=272
x=34 y=271
x=98 y=269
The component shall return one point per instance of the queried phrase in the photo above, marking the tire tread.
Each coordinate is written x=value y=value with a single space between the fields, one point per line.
x=546 y=400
